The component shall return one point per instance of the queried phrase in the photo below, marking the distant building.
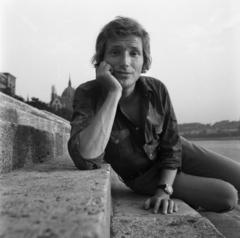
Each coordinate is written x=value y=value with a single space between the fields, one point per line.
x=65 y=100
x=7 y=83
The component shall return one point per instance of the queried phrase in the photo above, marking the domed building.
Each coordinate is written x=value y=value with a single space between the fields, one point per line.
x=65 y=100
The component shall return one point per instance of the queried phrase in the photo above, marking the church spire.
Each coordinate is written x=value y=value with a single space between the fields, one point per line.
x=69 y=82
x=54 y=93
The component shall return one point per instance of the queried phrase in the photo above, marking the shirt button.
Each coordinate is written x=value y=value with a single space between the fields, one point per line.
x=137 y=128
x=116 y=141
x=150 y=155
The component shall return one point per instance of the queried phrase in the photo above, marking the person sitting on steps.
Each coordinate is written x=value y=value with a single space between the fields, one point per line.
x=128 y=120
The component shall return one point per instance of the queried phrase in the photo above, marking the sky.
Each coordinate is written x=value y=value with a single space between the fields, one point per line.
x=195 y=48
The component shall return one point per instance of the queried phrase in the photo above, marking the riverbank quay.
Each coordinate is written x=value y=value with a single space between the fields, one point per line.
x=43 y=195
x=55 y=200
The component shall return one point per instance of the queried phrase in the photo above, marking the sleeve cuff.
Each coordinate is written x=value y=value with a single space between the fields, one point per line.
x=80 y=162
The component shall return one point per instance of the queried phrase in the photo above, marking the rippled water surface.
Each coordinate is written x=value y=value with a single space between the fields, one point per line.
x=229 y=148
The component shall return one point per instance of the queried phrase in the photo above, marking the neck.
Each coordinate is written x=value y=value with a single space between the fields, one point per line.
x=128 y=96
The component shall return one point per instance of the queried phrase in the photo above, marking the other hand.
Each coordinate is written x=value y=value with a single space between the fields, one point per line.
x=104 y=75
x=161 y=200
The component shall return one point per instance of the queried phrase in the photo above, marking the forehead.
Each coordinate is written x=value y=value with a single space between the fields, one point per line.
x=125 y=42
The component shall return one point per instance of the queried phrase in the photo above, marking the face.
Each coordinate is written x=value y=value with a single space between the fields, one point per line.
x=125 y=55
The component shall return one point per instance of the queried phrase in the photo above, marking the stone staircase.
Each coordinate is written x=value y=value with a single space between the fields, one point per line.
x=43 y=195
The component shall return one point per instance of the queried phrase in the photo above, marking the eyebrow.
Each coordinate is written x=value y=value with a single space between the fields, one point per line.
x=120 y=46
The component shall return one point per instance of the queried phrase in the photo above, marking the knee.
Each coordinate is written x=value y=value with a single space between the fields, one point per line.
x=228 y=199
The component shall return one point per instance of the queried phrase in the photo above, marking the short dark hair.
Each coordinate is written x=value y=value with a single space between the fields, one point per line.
x=120 y=27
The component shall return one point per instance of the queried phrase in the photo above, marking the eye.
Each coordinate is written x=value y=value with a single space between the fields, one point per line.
x=114 y=52
x=135 y=53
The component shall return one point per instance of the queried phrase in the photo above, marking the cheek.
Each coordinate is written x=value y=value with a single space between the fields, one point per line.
x=139 y=66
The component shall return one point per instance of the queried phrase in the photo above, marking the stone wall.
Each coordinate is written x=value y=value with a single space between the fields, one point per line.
x=29 y=135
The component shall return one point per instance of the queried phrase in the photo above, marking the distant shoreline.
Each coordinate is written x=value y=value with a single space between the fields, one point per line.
x=212 y=138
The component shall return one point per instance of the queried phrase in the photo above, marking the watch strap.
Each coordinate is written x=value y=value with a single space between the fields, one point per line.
x=166 y=188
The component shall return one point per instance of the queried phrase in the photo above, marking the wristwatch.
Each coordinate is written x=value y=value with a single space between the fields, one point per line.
x=168 y=189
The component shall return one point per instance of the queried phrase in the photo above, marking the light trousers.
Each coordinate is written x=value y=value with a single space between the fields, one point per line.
x=207 y=179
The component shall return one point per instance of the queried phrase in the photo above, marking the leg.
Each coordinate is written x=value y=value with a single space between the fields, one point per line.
x=205 y=163
x=208 y=193
x=207 y=179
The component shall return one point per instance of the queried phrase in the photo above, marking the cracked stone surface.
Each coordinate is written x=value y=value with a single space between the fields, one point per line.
x=54 y=200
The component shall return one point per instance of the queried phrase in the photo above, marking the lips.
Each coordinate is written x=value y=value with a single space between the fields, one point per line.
x=122 y=72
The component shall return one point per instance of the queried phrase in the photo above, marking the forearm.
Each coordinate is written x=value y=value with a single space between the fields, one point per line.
x=167 y=176
x=94 y=138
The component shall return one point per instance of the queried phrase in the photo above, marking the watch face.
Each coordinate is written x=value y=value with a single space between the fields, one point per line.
x=169 y=189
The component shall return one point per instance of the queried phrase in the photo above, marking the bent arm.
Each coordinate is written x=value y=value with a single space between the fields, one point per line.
x=91 y=127
x=94 y=138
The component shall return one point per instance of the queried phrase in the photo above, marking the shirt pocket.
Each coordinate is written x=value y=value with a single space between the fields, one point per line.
x=151 y=150
x=158 y=129
x=120 y=143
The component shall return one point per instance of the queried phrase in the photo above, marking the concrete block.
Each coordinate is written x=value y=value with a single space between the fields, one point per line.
x=10 y=102
x=44 y=146
x=66 y=137
x=7 y=99
x=59 y=144
x=227 y=223
x=27 y=119
x=23 y=147
x=163 y=226
x=7 y=133
x=28 y=135
x=56 y=200
x=8 y=114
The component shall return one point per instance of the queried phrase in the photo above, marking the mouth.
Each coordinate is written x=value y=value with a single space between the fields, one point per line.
x=122 y=72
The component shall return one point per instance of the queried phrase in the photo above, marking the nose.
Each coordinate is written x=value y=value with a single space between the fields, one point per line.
x=125 y=60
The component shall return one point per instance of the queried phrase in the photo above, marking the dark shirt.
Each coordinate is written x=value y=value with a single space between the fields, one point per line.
x=130 y=148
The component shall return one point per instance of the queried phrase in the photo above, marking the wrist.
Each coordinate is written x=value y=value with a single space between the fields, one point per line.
x=116 y=93
x=168 y=189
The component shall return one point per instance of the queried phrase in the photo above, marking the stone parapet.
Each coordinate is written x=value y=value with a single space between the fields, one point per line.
x=55 y=200
x=29 y=135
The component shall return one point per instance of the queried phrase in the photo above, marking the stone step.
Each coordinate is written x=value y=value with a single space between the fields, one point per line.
x=227 y=223
x=22 y=146
x=11 y=102
x=12 y=110
x=131 y=220
x=55 y=200
x=29 y=135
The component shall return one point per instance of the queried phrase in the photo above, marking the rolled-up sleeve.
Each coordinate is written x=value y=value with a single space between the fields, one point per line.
x=170 y=142
x=84 y=110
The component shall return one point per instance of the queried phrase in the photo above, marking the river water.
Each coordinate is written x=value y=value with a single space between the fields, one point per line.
x=229 y=148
